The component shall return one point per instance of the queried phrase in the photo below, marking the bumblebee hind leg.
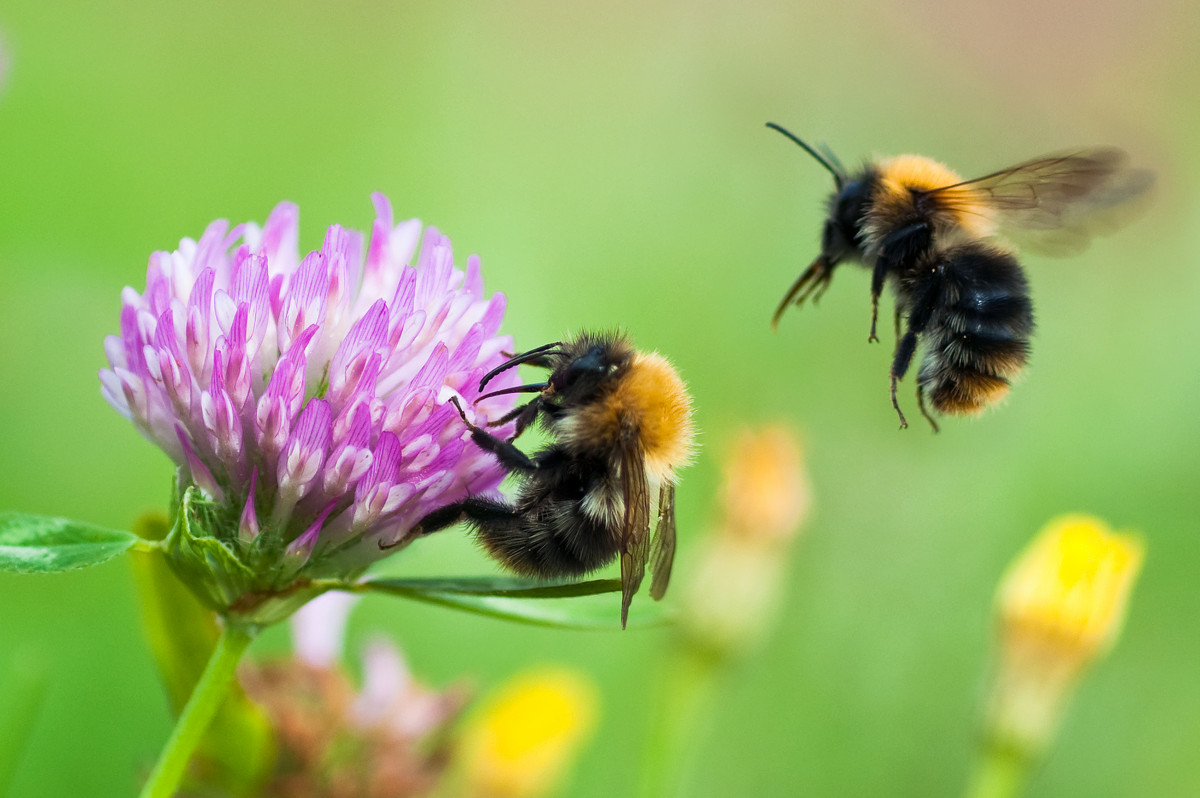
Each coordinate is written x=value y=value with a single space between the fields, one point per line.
x=921 y=406
x=924 y=302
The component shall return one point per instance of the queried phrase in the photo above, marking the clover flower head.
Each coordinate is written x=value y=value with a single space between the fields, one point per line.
x=306 y=398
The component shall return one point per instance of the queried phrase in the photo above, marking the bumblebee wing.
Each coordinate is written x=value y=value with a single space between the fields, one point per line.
x=1055 y=204
x=635 y=527
x=662 y=550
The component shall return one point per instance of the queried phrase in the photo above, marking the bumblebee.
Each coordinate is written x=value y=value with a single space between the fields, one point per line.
x=621 y=426
x=959 y=288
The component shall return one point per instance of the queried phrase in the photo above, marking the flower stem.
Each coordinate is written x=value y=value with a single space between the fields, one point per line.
x=679 y=721
x=999 y=774
x=198 y=713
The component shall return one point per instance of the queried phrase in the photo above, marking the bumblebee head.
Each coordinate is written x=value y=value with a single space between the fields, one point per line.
x=580 y=370
x=842 y=235
x=586 y=368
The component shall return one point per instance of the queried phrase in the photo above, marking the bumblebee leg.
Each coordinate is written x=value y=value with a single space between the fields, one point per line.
x=509 y=416
x=877 y=280
x=477 y=509
x=924 y=302
x=921 y=406
x=897 y=253
x=525 y=415
x=508 y=455
x=474 y=508
x=896 y=404
x=896 y=328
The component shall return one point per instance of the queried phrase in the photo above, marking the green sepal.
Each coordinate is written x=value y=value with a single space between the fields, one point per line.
x=525 y=601
x=39 y=544
x=204 y=563
x=237 y=752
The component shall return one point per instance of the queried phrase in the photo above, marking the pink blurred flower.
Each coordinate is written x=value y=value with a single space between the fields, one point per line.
x=308 y=397
x=387 y=740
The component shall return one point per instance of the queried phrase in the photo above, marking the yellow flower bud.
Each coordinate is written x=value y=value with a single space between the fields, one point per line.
x=522 y=740
x=765 y=493
x=731 y=600
x=1060 y=606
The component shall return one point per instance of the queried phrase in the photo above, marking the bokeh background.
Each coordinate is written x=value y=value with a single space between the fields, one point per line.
x=610 y=165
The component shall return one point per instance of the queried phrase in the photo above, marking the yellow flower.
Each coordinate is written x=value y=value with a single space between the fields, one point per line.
x=730 y=601
x=523 y=739
x=1061 y=605
x=1071 y=585
x=765 y=493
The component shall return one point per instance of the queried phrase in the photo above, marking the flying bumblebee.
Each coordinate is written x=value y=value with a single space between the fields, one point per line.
x=935 y=238
x=621 y=423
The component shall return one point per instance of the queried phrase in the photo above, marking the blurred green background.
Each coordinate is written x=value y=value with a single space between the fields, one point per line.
x=610 y=165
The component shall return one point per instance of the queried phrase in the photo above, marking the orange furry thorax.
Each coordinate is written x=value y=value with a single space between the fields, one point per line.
x=900 y=176
x=651 y=401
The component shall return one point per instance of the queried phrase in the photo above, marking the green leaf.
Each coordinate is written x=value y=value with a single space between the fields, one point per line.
x=39 y=544
x=500 y=586
x=237 y=751
x=523 y=601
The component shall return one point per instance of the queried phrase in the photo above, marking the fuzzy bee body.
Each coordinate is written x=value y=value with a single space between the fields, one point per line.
x=621 y=426
x=977 y=334
x=936 y=239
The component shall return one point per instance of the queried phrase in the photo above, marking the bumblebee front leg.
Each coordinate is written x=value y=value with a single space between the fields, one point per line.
x=509 y=456
x=897 y=253
x=525 y=415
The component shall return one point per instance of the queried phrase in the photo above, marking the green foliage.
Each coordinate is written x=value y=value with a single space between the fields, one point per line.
x=39 y=544
x=537 y=603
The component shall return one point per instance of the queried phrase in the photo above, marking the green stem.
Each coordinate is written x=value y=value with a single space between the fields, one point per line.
x=679 y=721
x=999 y=774
x=198 y=713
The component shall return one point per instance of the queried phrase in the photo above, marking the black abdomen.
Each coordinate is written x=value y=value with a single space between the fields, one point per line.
x=549 y=533
x=978 y=338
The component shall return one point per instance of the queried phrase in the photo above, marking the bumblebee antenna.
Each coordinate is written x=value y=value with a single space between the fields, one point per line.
x=839 y=177
x=546 y=350
x=531 y=388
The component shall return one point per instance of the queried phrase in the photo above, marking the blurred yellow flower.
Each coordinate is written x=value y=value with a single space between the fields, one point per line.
x=765 y=493
x=1060 y=606
x=1070 y=586
x=731 y=599
x=522 y=740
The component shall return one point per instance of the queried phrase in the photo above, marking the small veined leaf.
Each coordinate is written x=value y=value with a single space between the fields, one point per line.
x=33 y=544
x=510 y=586
x=527 y=602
